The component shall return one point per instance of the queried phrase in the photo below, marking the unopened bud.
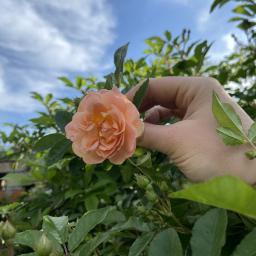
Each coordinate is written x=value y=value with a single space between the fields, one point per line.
x=151 y=196
x=163 y=186
x=44 y=246
x=8 y=231
x=149 y=187
x=141 y=209
x=142 y=181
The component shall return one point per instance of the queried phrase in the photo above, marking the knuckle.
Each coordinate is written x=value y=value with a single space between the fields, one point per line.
x=212 y=84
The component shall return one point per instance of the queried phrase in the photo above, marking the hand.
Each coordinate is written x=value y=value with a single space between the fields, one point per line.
x=192 y=143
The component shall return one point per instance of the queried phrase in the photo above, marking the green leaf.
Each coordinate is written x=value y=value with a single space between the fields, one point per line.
x=229 y=137
x=226 y=115
x=28 y=238
x=5 y=209
x=110 y=81
x=48 y=98
x=37 y=96
x=246 y=24
x=91 y=202
x=48 y=141
x=86 y=223
x=43 y=120
x=140 y=94
x=57 y=227
x=247 y=245
x=241 y=10
x=166 y=243
x=119 y=58
x=19 y=179
x=140 y=63
x=225 y=192
x=88 y=248
x=133 y=223
x=209 y=233
x=217 y=3
x=199 y=49
x=80 y=82
x=235 y=19
x=252 y=133
x=62 y=118
x=114 y=217
x=140 y=244
x=58 y=151
x=168 y=35
x=66 y=81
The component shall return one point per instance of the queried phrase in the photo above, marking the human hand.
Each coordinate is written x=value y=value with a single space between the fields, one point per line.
x=192 y=143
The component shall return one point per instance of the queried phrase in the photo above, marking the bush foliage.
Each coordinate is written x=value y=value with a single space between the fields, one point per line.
x=144 y=206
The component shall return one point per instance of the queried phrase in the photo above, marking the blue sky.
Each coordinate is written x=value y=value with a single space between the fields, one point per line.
x=43 y=39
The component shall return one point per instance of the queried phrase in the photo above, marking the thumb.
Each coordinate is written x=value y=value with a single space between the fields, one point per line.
x=158 y=137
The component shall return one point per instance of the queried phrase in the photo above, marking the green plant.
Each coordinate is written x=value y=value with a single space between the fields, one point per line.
x=144 y=206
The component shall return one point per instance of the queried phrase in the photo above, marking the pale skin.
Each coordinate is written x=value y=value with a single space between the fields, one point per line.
x=193 y=143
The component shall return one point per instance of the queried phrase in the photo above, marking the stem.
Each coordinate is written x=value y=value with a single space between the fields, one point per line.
x=66 y=252
x=10 y=251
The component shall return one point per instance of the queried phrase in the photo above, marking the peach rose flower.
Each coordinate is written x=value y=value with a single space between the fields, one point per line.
x=105 y=126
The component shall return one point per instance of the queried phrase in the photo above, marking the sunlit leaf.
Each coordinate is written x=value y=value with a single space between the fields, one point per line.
x=226 y=115
x=66 y=81
x=229 y=137
x=225 y=192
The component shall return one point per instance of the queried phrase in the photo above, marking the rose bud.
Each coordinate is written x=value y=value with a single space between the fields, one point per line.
x=44 y=246
x=8 y=231
x=142 y=181
x=105 y=126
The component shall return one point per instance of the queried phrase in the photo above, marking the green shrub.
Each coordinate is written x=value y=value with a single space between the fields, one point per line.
x=144 y=206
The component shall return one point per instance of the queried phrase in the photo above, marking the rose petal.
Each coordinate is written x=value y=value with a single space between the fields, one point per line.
x=128 y=147
x=88 y=157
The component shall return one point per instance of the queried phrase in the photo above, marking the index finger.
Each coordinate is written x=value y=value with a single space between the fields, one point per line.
x=171 y=92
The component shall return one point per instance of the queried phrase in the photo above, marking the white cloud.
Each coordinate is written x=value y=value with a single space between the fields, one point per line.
x=185 y=2
x=40 y=40
x=225 y=45
x=203 y=19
